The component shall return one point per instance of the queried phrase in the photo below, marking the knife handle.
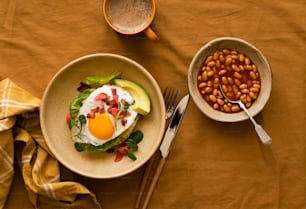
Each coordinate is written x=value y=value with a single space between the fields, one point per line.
x=159 y=169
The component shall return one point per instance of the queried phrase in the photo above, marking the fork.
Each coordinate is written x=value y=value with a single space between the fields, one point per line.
x=170 y=98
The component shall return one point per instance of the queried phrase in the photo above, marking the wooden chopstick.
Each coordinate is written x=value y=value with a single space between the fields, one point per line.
x=158 y=171
x=144 y=181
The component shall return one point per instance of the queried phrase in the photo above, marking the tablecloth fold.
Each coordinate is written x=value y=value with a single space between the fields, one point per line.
x=21 y=139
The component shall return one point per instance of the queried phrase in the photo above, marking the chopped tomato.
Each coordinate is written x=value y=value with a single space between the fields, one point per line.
x=115 y=95
x=113 y=110
x=101 y=96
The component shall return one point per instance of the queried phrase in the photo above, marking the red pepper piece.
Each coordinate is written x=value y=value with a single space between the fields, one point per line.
x=118 y=157
x=68 y=117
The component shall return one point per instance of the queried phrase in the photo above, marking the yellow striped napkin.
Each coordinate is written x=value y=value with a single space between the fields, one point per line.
x=21 y=138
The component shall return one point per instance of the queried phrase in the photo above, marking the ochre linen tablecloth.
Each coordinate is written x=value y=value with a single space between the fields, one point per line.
x=212 y=165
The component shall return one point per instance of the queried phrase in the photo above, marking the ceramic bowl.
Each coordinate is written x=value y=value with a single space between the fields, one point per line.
x=55 y=106
x=241 y=46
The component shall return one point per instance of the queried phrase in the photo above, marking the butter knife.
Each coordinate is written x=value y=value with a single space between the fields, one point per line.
x=166 y=144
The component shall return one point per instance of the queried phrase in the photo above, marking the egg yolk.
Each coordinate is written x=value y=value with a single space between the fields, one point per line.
x=101 y=126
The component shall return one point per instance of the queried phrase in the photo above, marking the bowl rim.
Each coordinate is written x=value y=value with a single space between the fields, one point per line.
x=204 y=107
x=43 y=122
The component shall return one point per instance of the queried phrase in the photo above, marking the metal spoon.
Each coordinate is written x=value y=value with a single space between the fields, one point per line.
x=263 y=135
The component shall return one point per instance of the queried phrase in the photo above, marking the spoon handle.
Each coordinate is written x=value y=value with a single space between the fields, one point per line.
x=263 y=135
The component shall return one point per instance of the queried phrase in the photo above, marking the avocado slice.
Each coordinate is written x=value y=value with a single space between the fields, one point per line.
x=142 y=104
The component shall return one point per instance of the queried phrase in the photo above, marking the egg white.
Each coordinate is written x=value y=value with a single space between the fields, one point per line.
x=90 y=103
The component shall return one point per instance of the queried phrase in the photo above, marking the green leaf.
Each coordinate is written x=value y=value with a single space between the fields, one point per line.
x=82 y=119
x=132 y=144
x=131 y=155
x=71 y=124
x=76 y=103
x=86 y=147
x=136 y=136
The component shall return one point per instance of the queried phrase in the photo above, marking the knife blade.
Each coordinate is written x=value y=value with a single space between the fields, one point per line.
x=166 y=144
x=173 y=126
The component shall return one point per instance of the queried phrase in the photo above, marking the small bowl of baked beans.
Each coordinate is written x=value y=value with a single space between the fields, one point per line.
x=236 y=66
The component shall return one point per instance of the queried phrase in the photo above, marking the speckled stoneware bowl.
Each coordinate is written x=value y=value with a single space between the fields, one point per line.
x=55 y=106
x=244 y=47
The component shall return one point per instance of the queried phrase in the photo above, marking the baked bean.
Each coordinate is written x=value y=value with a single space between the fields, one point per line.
x=235 y=89
x=230 y=95
x=241 y=67
x=253 y=75
x=224 y=88
x=218 y=63
x=221 y=58
x=245 y=91
x=255 y=85
x=248 y=98
x=220 y=101
x=247 y=67
x=234 y=56
x=216 y=56
x=238 y=76
x=254 y=89
x=230 y=80
x=215 y=92
x=241 y=57
x=202 y=85
x=228 y=60
x=208 y=89
x=235 y=67
x=204 y=76
x=210 y=73
x=235 y=108
x=237 y=82
x=209 y=58
x=211 y=63
x=226 y=108
x=215 y=106
x=247 y=61
x=243 y=86
x=234 y=52
x=252 y=95
x=222 y=72
x=238 y=94
x=212 y=98
x=229 y=88
x=226 y=51
x=224 y=80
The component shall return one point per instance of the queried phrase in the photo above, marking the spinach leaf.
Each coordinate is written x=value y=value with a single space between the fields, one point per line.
x=76 y=103
x=136 y=136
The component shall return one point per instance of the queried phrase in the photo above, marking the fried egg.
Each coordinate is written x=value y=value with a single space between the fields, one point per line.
x=107 y=113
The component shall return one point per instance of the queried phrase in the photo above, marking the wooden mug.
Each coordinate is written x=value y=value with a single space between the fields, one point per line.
x=130 y=17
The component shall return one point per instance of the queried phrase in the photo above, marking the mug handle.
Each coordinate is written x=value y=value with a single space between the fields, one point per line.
x=151 y=34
